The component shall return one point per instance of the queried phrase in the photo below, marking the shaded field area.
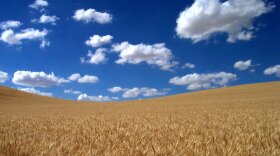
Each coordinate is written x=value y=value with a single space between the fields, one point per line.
x=241 y=120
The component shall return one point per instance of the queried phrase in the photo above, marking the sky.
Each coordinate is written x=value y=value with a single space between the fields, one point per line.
x=96 y=50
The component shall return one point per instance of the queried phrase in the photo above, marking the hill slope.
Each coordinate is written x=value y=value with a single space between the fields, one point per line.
x=241 y=120
x=237 y=96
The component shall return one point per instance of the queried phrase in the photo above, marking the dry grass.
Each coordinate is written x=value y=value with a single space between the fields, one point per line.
x=243 y=120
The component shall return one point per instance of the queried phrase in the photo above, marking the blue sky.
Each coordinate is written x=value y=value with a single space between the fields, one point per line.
x=141 y=47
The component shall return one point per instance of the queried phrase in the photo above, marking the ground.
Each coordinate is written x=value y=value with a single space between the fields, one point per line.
x=241 y=120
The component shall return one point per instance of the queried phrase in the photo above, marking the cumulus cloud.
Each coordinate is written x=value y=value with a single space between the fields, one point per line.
x=156 y=54
x=44 y=19
x=74 y=77
x=147 y=92
x=10 y=24
x=91 y=15
x=88 y=79
x=71 y=91
x=34 y=91
x=39 y=5
x=12 y=38
x=242 y=65
x=97 y=41
x=204 y=18
x=203 y=81
x=36 y=79
x=96 y=58
x=115 y=89
x=189 y=65
x=135 y=92
x=100 y=98
x=85 y=79
x=273 y=70
x=3 y=77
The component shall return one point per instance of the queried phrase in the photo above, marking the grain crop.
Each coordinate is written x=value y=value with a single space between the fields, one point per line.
x=241 y=120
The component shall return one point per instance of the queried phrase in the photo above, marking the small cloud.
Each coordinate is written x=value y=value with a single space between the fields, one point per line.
x=39 y=5
x=273 y=70
x=115 y=89
x=97 y=41
x=244 y=36
x=74 y=77
x=45 y=44
x=96 y=58
x=12 y=38
x=85 y=79
x=37 y=79
x=3 y=77
x=100 y=98
x=88 y=79
x=135 y=92
x=91 y=15
x=189 y=65
x=203 y=81
x=10 y=24
x=45 y=19
x=243 y=65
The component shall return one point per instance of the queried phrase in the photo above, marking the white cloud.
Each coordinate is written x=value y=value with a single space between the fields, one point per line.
x=74 y=77
x=152 y=92
x=273 y=70
x=98 y=57
x=204 y=18
x=97 y=41
x=135 y=92
x=36 y=79
x=147 y=92
x=189 y=65
x=10 y=24
x=3 y=77
x=100 y=98
x=45 y=43
x=91 y=15
x=203 y=81
x=31 y=34
x=242 y=65
x=245 y=36
x=8 y=36
x=12 y=38
x=156 y=54
x=44 y=19
x=85 y=79
x=34 y=91
x=88 y=79
x=115 y=89
x=71 y=91
x=39 y=4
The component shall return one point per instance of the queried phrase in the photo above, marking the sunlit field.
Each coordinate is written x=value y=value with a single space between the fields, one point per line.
x=242 y=120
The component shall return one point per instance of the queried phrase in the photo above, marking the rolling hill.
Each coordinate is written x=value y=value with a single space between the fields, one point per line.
x=240 y=120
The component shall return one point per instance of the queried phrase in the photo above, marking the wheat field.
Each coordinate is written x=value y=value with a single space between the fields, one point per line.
x=241 y=120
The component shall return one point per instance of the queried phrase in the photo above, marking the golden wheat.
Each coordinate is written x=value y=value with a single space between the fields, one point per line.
x=243 y=120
